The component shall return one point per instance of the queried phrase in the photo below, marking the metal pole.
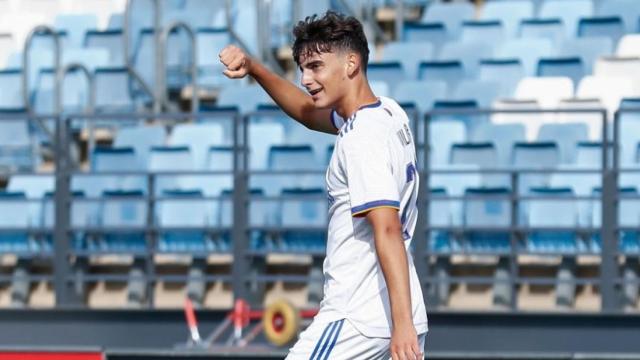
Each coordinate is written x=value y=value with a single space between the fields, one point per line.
x=609 y=231
x=424 y=200
x=239 y=232
x=164 y=40
x=128 y=60
x=399 y=20
x=160 y=73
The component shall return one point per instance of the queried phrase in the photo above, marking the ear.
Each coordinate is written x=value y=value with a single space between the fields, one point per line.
x=353 y=63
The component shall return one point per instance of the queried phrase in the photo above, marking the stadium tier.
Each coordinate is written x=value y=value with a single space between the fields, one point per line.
x=526 y=115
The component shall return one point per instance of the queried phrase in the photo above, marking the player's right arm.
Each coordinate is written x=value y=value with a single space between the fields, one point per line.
x=293 y=100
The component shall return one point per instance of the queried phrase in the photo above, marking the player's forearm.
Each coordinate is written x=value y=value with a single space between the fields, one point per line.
x=293 y=101
x=393 y=261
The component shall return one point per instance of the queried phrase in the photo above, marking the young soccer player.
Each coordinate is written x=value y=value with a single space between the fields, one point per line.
x=373 y=306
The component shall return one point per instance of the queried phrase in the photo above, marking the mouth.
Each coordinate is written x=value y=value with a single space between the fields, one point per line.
x=314 y=92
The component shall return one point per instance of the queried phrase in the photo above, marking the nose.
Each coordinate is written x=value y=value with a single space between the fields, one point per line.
x=305 y=78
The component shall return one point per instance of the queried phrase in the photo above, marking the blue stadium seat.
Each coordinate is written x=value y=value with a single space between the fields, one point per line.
x=183 y=217
x=528 y=51
x=609 y=27
x=432 y=33
x=210 y=42
x=487 y=32
x=142 y=139
x=457 y=108
x=451 y=72
x=503 y=136
x=169 y=158
x=380 y=88
x=570 y=67
x=482 y=92
x=550 y=29
x=509 y=13
x=7 y=47
x=469 y=54
x=17 y=145
x=123 y=216
x=450 y=14
x=589 y=154
x=629 y=131
x=535 y=155
x=11 y=88
x=483 y=155
x=75 y=90
x=113 y=91
x=567 y=136
x=626 y=9
x=587 y=49
x=456 y=179
x=34 y=187
x=297 y=134
x=387 y=72
x=628 y=218
x=261 y=213
x=559 y=212
x=507 y=73
x=443 y=134
x=530 y=121
x=76 y=25
x=114 y=159
x=289 y=158
x=199 y=138
x=110 y=40
x=440 y=241
x=609 y=90
x=304 y=212
x=116 y=21
x=409 y=54
x=245 y=98
x=80 y=212
x=488 y=207
x=569 y=11
x=581 y=183
x=15 y=222
x=261 y=137
x=204 y=13
x=420 y=93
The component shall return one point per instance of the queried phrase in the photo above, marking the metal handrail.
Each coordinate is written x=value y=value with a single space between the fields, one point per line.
x=128 y=60
x=90 y=106
x=161 y=87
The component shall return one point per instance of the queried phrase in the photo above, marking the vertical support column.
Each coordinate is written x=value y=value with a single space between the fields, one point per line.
x=399 y=20
x=239 y=232
x=62 y=199
x=609 y=232
x=160 y=74
x=423 y=230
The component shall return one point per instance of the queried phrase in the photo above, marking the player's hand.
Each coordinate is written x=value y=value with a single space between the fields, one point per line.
x=236 y=61
x=404 y=344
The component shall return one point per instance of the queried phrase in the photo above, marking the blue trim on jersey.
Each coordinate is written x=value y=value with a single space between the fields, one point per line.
x=315 y=350
x=374 y=204
x=331 y=119
x=328 y=339
x=374 y=105
x=335 y=340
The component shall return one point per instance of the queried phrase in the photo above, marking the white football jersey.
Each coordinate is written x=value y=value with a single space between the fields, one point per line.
x=373 y=165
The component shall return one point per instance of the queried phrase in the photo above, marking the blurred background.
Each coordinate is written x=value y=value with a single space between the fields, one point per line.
x=134 y=175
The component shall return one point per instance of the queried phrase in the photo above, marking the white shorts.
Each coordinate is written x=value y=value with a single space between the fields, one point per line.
x=340 y=340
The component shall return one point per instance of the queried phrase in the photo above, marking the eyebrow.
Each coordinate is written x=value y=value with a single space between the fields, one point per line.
x=311 y=63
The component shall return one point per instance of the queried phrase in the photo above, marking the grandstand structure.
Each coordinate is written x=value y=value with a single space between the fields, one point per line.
x=134 y=174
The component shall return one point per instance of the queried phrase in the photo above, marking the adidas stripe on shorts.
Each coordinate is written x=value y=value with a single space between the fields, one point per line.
x=339 y=340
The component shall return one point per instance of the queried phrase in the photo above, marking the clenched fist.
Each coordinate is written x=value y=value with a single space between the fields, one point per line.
x=236 y=61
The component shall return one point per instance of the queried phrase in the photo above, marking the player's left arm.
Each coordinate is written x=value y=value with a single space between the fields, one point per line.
x=393 y=260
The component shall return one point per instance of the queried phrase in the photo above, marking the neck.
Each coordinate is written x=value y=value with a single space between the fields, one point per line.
x=354 y=100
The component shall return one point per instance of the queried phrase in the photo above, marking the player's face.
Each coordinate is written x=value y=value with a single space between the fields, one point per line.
x=323 y=75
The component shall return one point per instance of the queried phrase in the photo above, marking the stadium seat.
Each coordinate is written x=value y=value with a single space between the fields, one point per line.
x=572 y=176
x=261 y=213
x=18 y=151
x=261 y=137
x=609 y=90
x=609 y=27
x=443 y=134
x=490 y=33
x=570 y=67
x=456 y=179
x=123 y=217
x=112 y=90
x=469 y=54
x=440 y=215
x=627 y=10
x=503 y=136
x=557 y=210
x=202 y=13
x=451 y=72
x=484 y=155
x=629 y=132
x=380 y=87
x=507 y=73
x=484 y=93
x=211 y=41
x=387 y=72
x=142 y=139
x=531 y=121
x=409 y=54
x=420 y=93
x=304 y=217
x=76 y=25
x=450 y=14
x=11 y=88
x=510 y=13
x=456 y=111
x=245 y=98
x=183 y=217
x=617 y=67
x=587 y=49
x=15 y=216
x=629 y=46
x=593 y=119
x=116 y=21
x=432 y=33
x=110 y=40
x=569 y=11
x=528 y=51
x=535 y=155
x=75 y=92
x=114 y=159
x=80 y=212
x=7 y=47
x=169 y=158
x=34 y=187
x=567 y=136
x=628 y=217
x=549 y=29
x=487 y=207
x=547 y=91
x=290 y=158
x=199 y=138
x=103 y=9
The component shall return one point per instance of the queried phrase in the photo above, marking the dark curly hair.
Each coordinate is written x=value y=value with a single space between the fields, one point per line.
x=333 y=31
